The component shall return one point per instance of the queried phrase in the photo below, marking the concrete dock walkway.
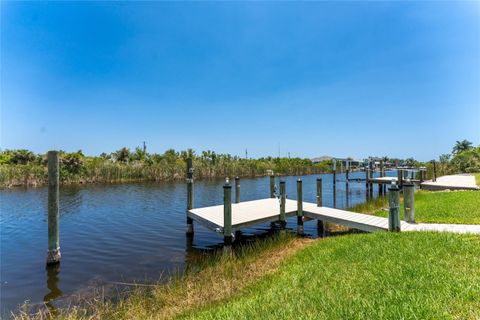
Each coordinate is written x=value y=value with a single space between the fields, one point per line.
x=452 y=182
x=249 y=213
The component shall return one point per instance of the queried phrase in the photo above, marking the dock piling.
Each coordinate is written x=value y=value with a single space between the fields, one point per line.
x=53 y=255
x=394 y=211
x=237 y=190
x=283 y=220
x=434 y=178
x=227 y=214
x=272 y=186
x=320 y=223
x=299 y=207
x=409 y=202
x=189 y=195
x=399 y=176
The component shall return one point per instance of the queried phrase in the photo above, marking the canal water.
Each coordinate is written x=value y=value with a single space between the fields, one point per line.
x=123 y=233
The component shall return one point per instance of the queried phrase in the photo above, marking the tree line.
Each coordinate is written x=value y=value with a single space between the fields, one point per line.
x=24 y=167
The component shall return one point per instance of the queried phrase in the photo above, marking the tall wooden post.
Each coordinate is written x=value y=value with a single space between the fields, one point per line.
x=320 y=223
x=189 y=195
x=372 y=176
x=299 y=207
x=334 y=176
x=272 y=186
x=434 y=171
x=394 y=211
x=409 y=202
x=399 y=176
x=283 y=220
x=347 y=174
x=53 y=255
x=237 y=190
x=367 y=179
x=227 y=214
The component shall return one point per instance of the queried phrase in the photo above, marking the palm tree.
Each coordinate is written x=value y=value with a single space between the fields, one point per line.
x=461 y=146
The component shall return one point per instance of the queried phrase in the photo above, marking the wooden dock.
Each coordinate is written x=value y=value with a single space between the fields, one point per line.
x=249 y=213
x=254 y=212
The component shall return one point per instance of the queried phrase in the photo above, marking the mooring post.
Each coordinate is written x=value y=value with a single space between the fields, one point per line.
x=283 y=220
x=372 y=176
x=299 y=207
x=399 y=176
x=237 y=190
x=272 y=186
x=320 y=223
x=409 y=202
x=53 y=255
x=189 y=195
x=434 y=171
x=394 y=211
x=227 y=213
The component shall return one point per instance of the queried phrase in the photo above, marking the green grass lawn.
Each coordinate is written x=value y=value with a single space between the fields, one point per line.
x=461 y=207
x=366 y=276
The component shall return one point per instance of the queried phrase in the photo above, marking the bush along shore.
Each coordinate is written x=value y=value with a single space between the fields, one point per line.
x=24 y=168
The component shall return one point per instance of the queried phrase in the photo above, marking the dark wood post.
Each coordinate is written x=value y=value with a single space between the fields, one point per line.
x=320 y=223
x=53 y=255
x=189 y=195
x=227 y=214
x=399 y=176
x=237 y=190
x=299 y=207
x=272 y=185
x=334 y=177
x=283 y=220
x=394 y=211
x=434 y=171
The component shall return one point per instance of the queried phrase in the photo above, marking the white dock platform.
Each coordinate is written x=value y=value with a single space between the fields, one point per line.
x=452 y=182
x=250 y=213
x=244 y=214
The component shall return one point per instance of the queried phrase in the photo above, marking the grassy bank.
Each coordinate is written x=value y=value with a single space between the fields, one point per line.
x=208 y=279
x=366 y=276
x=358 y=276
x=461 y=207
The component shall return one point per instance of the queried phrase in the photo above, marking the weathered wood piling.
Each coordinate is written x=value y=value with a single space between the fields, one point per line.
x=272 y=185
x=394 y=210
x=320 y=223
x=283 y=197
x=237 y=190
x=189 y=195
x=299 y=207
x=409 y=202
x=53 y=255
x=227 y=213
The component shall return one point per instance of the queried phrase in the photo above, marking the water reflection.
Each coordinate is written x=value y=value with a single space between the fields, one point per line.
x=121 y=223
x=53 y=280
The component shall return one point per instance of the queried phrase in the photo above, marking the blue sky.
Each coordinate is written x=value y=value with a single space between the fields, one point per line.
x=344 y=79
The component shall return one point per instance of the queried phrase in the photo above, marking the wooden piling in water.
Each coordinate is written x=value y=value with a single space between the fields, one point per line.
x=189 y=194
x=399 y=176
x=320 y=223
x=394 y=210
x=272 y=186
x=227 y=214
x=237 y=190
x=53 y=254
x=283 y=196
x=299 y=207
x=409 y=202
